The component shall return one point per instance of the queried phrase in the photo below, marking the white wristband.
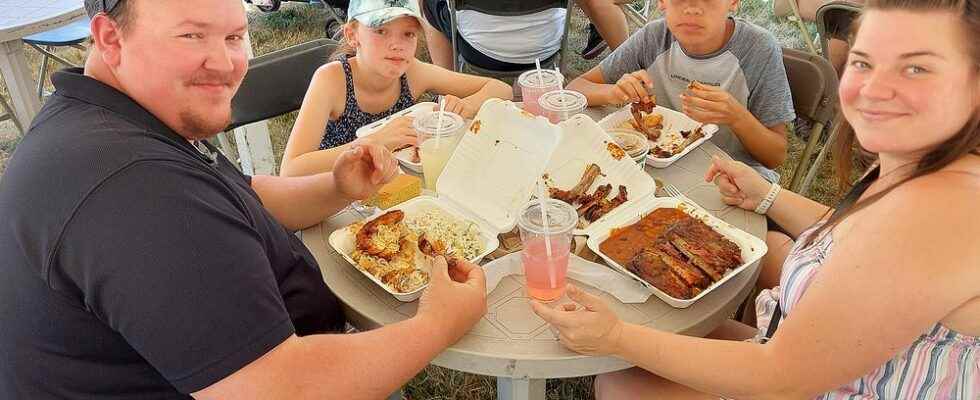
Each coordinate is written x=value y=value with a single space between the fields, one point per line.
x=770 y=198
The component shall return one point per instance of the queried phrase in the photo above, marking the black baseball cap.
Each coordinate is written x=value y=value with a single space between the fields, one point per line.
x=96 y=6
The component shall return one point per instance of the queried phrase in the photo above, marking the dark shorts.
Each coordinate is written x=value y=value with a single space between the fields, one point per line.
x=437 y=14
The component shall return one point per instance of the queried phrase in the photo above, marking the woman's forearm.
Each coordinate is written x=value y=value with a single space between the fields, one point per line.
x=795 y=213
x=726 y=368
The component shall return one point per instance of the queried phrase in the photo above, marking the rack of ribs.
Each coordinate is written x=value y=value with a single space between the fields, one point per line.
x=705 y=248
x=649 y=266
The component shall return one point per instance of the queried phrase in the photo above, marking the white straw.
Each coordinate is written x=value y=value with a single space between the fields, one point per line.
x=442 y=109
x=552 y=278
x=537 y=64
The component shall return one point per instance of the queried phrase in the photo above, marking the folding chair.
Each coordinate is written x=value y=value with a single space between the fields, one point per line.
x=639 y=14
x=508 y=8
x=834 y=21
x=274 y=85
x=813 y=83
x=71 y=35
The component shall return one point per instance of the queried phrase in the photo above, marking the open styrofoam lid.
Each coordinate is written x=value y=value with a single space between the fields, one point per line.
x=498 y=162
x=584 y=142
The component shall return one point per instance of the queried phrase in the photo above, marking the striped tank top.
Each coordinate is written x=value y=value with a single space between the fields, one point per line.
x=940 y=364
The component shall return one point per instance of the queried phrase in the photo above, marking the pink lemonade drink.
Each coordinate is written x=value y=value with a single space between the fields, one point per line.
x=538 y=268
x=534 y=84
x=545 y=267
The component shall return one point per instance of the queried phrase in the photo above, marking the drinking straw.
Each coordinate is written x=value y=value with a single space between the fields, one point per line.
x=442 y=109
x=537 y=64
x=552 y=278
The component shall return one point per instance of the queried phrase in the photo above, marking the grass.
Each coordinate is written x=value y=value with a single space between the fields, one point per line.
x=297 y=23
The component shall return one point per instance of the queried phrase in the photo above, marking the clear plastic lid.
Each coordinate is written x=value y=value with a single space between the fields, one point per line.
x=542 y=79
x=562 y=101
x=562 y=217
x=428 y=124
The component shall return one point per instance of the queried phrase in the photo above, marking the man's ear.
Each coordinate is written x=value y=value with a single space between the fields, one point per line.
x=106 y=37
x=733 y=7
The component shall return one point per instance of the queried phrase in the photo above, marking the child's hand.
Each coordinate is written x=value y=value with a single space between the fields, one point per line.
x=633 y=87
x=396 y=134
x=459 y=106
x=711 y=105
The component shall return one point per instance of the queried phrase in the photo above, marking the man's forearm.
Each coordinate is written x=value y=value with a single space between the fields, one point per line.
x=299 y=202
x=762 y=143
x=368 y=365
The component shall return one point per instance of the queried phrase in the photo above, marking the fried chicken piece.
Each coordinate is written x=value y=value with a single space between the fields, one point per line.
x=649 y=266
x=381 y=236
x=436 y=248
x=573 y=196
x=405 y=279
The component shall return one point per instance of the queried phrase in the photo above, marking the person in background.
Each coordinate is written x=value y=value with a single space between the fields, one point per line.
x=376 y=74
x=607 y=26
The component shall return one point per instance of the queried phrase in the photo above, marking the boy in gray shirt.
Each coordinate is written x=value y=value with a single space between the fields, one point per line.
x=740 y=65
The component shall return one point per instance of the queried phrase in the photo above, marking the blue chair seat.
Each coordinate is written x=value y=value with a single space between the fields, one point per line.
x=73 y=33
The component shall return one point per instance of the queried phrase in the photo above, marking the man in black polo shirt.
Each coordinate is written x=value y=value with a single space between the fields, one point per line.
x=137 y=264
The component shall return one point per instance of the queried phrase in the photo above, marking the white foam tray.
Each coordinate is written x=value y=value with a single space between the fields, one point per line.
x=673 y=123
x=584 y=142
x=498 y=162
x=752 y=247
x=343 y=239
x=404 y=156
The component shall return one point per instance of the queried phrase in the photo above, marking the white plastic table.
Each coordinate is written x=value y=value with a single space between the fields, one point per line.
x=511 y=342
x=23 y=18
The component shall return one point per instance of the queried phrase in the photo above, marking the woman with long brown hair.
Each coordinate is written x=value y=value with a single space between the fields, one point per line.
x=879 y=298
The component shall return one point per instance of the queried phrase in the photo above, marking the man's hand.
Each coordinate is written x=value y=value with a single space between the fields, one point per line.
x=712 y=105
x=360 y=171
x=455 y=300
x=589 y=327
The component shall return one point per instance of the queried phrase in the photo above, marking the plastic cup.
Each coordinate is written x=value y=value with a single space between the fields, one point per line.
x=437 y=143
x=559 y=105
x=546 y=273
x=534 y=83
x=633 y=143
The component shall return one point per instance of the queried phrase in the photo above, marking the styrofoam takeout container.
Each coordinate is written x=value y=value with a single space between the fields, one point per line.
x=673 y=123
x=404 y=156
x=487 y=180
x=343 y=239
x=584 y=142
x=752 y=247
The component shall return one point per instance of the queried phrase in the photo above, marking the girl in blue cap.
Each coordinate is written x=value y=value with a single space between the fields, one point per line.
x=375 y=75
